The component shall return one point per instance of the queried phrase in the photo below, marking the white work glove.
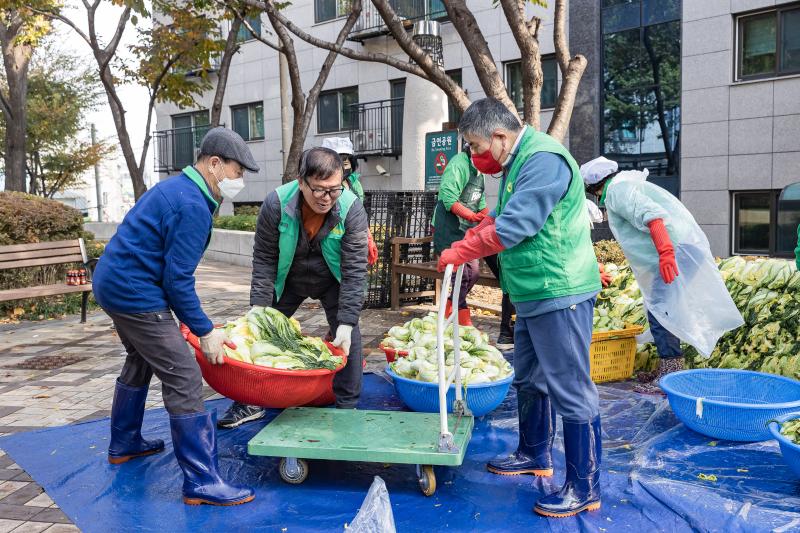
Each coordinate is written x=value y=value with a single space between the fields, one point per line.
x=212 y=346
x=343 y=337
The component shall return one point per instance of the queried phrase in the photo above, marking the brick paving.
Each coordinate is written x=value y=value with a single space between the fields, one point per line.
x=48 y=396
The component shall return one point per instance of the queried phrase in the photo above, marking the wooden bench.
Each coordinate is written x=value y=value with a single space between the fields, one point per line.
x=424 y=270
x=44 y=254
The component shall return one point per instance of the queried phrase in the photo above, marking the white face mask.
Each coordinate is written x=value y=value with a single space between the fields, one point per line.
x=229 y=188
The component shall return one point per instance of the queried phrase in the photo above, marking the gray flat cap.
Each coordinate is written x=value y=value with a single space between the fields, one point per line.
x=228 y=144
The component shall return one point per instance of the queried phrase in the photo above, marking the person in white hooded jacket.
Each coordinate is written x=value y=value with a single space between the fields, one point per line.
x=671 y=259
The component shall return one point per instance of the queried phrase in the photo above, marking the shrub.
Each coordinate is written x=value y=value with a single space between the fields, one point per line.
x=246 y=209
x=25 y=218
x=236 y=222
x=609 y=251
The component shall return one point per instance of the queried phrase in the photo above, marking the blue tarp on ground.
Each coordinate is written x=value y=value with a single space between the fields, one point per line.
x=650 y=480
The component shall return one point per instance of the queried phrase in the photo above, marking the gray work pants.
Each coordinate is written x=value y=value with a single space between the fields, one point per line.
x=155 y=346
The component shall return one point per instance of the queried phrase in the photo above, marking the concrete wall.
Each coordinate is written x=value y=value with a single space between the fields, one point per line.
x=232 y=247
x=736 y=136
x=585 y=132
x=254 y=77
x=103 y=231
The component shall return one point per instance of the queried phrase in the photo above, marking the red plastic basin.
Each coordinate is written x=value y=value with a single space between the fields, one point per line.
x=264 y=386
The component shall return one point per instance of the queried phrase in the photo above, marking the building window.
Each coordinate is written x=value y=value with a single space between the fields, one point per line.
x=641 y=86
x=768 y=44
x=334 y=111
x=325 y=10
x=244 y=33
x=248 y=121
x=188 y=130
x=765 y=222
x=453 y=114
x=549 y=83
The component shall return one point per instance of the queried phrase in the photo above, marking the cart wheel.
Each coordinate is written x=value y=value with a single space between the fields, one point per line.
x=427 y=480
x=293 y=471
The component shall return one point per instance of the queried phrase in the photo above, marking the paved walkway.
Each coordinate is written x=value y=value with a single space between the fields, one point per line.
x=60 y=372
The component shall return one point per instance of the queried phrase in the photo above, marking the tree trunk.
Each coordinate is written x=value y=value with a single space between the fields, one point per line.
x=16 y=59
x=231 y=47
x=571 y=73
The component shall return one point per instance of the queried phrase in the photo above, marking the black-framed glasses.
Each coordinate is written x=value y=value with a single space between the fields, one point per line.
x=319 y=194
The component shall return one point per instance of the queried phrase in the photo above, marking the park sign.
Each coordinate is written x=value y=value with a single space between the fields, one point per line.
x=440 y=148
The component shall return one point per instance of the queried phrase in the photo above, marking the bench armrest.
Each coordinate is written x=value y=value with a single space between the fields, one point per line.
x=90 y=264
x=412 y=240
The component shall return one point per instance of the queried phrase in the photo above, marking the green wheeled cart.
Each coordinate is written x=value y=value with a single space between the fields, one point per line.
x=421 y=439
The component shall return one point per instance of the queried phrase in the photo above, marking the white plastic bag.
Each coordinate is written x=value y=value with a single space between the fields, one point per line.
x=375 y=515
x=696 y=307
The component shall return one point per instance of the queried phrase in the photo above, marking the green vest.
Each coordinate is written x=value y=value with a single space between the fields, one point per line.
x=559 y=260
x=354 y=181
x=289 y=230
x=448 y=227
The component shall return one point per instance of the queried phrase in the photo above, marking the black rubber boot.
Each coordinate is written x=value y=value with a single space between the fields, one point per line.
x=537 y=430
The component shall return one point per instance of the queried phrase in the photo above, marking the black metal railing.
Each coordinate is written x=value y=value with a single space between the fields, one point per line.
x=398 y=214
x=378 y=128
x=177 y=148
x=370 y=23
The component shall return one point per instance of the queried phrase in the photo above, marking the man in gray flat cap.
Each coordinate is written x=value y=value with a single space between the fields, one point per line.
x=144 y=279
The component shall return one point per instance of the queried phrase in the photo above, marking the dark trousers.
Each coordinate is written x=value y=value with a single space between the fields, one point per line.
x=551 y=356
x=346 y=382
x=507 y=308
x=472 y=270
x=667 y=344
x=155 y=346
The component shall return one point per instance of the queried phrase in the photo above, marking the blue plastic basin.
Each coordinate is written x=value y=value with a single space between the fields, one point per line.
x=482 y=398
x=730 y=404
x=789 y=450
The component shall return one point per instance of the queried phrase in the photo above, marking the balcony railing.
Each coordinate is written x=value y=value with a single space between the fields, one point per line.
x=370 y=24
x=177 y=148
x=379 y=128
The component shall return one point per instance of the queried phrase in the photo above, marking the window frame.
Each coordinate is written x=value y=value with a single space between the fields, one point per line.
x=338 y=91
x=545 y=57
x=249 y=106
x=778 y=72
x=338 y=15
x=774 y=195
x=244 y=28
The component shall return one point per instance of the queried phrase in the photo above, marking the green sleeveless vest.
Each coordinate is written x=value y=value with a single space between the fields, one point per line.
x=559 y=260
x=289 y=229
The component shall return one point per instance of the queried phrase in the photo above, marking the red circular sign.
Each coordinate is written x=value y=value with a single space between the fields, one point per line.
x=439 y=163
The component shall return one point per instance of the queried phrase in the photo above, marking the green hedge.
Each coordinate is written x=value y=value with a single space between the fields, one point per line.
x=24 y=219
x=236 y=222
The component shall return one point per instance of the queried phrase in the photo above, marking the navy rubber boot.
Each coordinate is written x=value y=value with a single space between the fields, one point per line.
x=127 y=413
x=537 y=429
x=194 y=437
x=581 y=491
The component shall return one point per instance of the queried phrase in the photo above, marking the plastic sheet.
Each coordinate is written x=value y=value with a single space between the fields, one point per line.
x=375 y=515
x=651 y=480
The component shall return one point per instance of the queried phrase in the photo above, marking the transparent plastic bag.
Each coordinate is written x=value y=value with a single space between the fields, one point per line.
x=375 y=514
x=696 y=307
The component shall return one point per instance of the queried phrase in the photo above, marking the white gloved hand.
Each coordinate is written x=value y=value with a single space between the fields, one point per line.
x=212 y=346
x=344 y=334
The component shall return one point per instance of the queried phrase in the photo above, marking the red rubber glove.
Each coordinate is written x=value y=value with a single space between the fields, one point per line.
x=372 y=250
x=462 y=211
x=666 y=253
x=486 y=221
x=605 y=279
x=482 y=243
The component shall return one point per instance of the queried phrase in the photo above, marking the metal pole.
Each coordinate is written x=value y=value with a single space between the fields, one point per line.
x=97 y=180
x=286 y=130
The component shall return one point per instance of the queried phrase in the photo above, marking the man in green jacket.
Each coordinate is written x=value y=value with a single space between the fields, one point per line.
x=462 y=204
x=540 y=231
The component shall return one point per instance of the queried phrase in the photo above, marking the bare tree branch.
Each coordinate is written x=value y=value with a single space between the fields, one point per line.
x=57 y=16
x=560 y=36
x=111 y=49
x=6 y=106
x=231 y=47
x=530 y=62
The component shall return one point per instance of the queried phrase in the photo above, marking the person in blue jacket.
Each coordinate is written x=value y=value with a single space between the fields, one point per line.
x=144 y=280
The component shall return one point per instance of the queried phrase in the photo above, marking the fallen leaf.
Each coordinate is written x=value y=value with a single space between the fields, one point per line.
x=707 y=477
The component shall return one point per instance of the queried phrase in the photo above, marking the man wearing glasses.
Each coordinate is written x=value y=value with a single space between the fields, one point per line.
x=311 y=242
